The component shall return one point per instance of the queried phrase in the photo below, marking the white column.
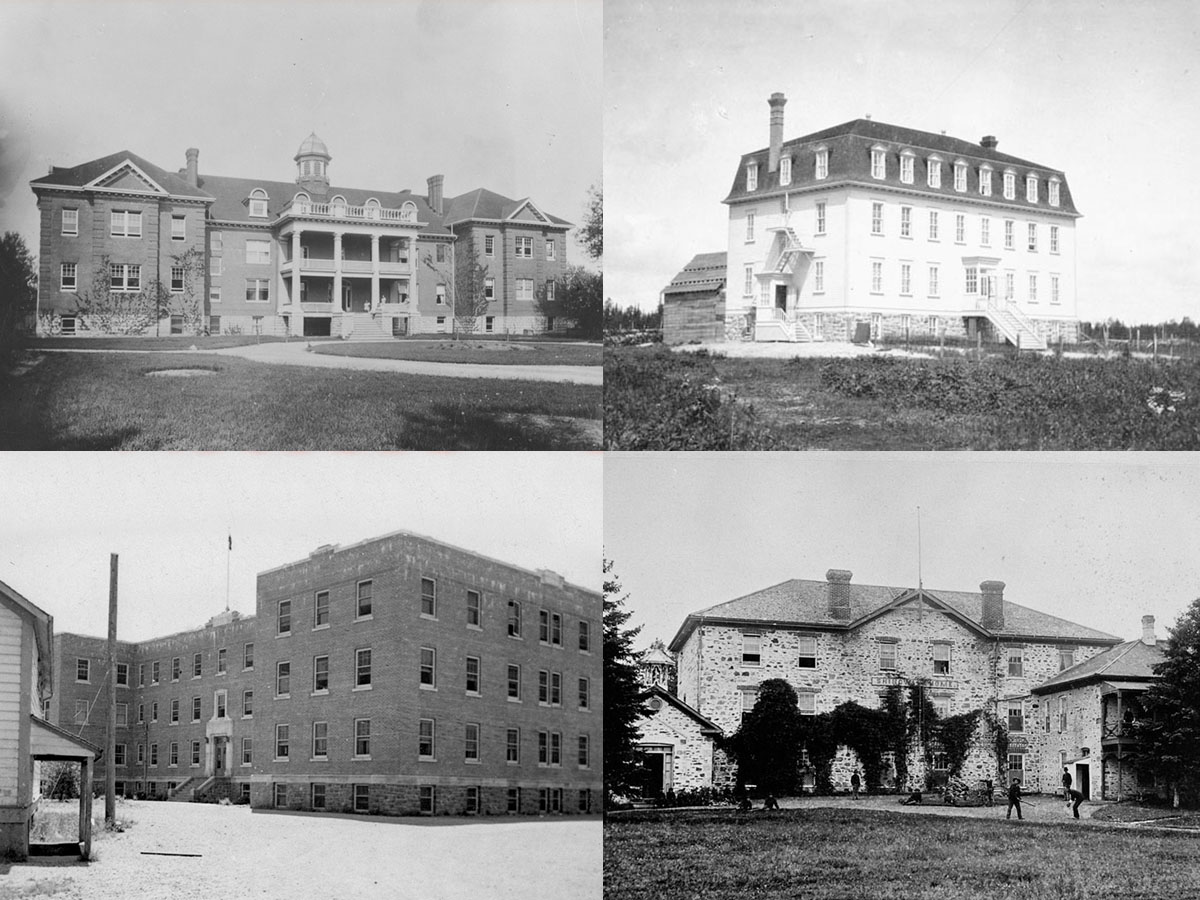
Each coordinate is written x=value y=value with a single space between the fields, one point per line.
x=374 y=271
x=337 y=271
x=297 y=321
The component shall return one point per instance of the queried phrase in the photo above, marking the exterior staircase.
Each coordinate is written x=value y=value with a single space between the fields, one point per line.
x=366 y=327
x=1017 y=329
x=214 y=790
x=773 y=324
x=183 y=790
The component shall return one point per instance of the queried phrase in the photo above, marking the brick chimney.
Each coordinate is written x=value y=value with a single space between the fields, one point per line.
x=988 y=142
x=993 y=604
x=435 y=192
x=777 y=101
x=193 y=167
x=838 y=588
x=1148 y=631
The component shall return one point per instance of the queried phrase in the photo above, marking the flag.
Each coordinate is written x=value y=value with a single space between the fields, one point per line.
x=231 y=542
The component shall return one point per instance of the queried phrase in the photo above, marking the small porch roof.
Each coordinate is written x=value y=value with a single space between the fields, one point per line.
x=51 y=742
x=1107 y=687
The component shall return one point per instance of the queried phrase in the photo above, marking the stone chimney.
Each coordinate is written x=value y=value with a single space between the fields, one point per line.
x=993 y=604
x=435 y=192
x=988 y=142
x=1148 y=637
x=838 y=588
x=193 y=167
x=777 y=101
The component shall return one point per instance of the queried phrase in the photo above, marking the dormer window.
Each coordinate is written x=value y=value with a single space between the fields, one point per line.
x=785 y=171
x=960 y=175
x=1054 y=195
x=1031 y=184
x=934 y=178
x=301 y=201
x=752 y=177
x=337 y=205
x=822 y=165
x=1010 y=185
x=408 y=211
x=878 y=162
x=906 y=167
x=372 y=208
x=985 y=180
x=258 y=203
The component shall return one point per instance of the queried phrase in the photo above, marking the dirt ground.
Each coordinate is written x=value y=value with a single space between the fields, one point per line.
x=268 y=854
x=785 y=350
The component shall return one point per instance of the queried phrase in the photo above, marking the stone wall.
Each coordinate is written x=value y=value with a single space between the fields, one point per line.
x=692 y=752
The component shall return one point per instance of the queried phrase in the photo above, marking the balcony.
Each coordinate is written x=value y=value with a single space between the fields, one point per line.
x=339 y=212
x=322 y=266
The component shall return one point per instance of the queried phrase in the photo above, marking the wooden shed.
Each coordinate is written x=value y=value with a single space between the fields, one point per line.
x=694 y=302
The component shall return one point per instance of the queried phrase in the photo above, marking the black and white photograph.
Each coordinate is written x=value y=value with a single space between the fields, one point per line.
x=314 y=226
x=901 y=226
x=370 y=675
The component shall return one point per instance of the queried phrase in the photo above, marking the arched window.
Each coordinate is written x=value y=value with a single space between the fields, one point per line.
x=408 y=211
x=301 y=201
x=337 y=205
x=258 y=203
x=372 y=208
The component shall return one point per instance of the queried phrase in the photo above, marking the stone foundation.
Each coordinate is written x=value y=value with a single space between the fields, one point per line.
x=449 y=800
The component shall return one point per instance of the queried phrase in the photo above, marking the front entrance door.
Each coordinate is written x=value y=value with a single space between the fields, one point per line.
x=781 y=296
x=347 y=297
x=220 y=749
x=1083 y=780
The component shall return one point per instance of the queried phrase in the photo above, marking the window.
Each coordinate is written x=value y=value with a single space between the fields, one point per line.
x=426 y=799
x=70 y=222
x=960 y=176
x=124 y=277
x=1010 y=279
x=81 y=712
x=1054 y=195
x=83 y=669
x=1062 y=714
x=428 y=598
x=585 y=697
x=282 y=747
x=985 y=231
x=905 y=278
x=258 y=203
x=440 y=295
x=141 y=713
x=317 y=798
x=248 y=656
x=514 y=682
x=428 y=667
x=280 y=797
x=362 y=798
x=284 y=618
x=1016 y=716
x=321 y=610
x=752 y=177
x=550 y=628
x=806 y=701
x=1016 y=662
x=878 y=163
x=876 y=277
x=584 y=755
x=585 y=636
x=215 y=266
x=550 y=250
x=1032 y=237
x=556 y=689
x=960 y=228
x=808 y=651
x=822 y=163
x=524 y=288
x=320 y=740
x=934 y=174
x=247 y=704
x=362 y=668
x=221 y=661
x=441 y=252
x=219 y=703
x=750 y=227
x=363 y=606
x=489 y=245
x=196 y=706
x=362 y=738
x=67 y=277
x=125 y=223
x=785 y=171
x=985 y=181
x=543 y=687
x=1054 y=289
x=122 y=674
x=906 y=167
x=472 y=675
x=141 y=753
x=489 y=288
x=524 y=247
x=972 y=280
x=906 y=221
x=514 y=618
x=1066 y=658
x=933 y=225
x=751 y=649
x=173 y=753
x=512 y=746
x=1016 y=768
x=258 y=290
x=473 y=610
x=820 y=220
x=1031 y=188
x=1033 y=287
x=819 y=276
x=119 y=755
x=320 y=674
x=748 y=285
x=876 y=218
x=941 y=659
x=940 y=761
x=197 y=665
x=216 y=242
x=425 y=734
x=154 y=672
x=471 y=742
x=154 y=754
x=178 y=228
x=887 y=656
x=1053 y=238
x=543 y=748
x=1010 y=185
x=122 y=715
x=283 y=679
x=258 y=252
x=174 y=711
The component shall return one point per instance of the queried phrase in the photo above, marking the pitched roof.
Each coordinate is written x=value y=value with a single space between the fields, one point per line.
x=802 y=603
x=707 y=726
x=1130 y=661
x=85 y=173
x=849 y=146
x=484 y=204
x=705 y=272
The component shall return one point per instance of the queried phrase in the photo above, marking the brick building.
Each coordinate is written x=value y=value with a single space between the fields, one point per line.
x=246 y=255
x=397 y=675
x=835 y=641
x=899 y=230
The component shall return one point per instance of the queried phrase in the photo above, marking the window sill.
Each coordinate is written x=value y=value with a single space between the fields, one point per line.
x=321 y=627
x=514 y=699
x=362 y=687
x=366 y=758
x=473 y=694
x=283 y=696
x=428 y=617
x=282 y=634
x=367 y=618
x=318 y=759
x=471 y=627
x=427 y=759
x=320 y=693
x=428 y=687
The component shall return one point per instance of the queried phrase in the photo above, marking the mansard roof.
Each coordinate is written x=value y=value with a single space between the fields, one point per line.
x=849 y=146
x=484 y=204
x=804 y=604
x=705 y=272
x=1130 y=661
x=84 y=174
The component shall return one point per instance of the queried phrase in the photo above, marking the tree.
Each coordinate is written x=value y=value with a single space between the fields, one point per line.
x=579 y=296
x=469 y=297
x=189 y=302
x=118 y=312
x=60 y=780
x=18 y=291
x=1168 y=732
x=591 y=232
x=767 y=744
x=623 y=694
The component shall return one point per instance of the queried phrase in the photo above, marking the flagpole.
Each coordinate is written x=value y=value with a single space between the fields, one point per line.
x=228 y=555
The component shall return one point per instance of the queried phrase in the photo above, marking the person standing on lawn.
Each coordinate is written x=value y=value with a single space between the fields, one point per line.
x=1066 y=784
x=1074 y=798
x=855 y=784
x=1014 y=799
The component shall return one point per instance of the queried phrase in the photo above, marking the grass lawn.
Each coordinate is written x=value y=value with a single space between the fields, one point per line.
x=495 y=353
x=831 y=854
x=67 y=401
x=176 y=342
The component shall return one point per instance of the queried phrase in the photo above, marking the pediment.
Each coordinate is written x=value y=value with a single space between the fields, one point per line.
x=126 y=176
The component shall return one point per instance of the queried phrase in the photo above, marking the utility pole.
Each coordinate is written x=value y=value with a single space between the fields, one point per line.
x=110 y=751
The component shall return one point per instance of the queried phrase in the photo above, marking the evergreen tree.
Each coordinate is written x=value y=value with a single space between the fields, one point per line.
x=18 y=291
x=767 y=745
x=1169 y=729
x=623 y=694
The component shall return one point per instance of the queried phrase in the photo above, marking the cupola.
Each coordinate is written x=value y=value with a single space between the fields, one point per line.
x=312 y=161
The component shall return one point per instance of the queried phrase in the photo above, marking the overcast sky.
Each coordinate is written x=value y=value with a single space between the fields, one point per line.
x=1105 y=91
x=1098 y=539
x=167 y=516
x=502 y=94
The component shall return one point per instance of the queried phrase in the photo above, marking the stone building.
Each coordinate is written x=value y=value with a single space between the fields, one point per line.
x=397 y=675
x=301 y=257
x=835 y=641
x=899 y=231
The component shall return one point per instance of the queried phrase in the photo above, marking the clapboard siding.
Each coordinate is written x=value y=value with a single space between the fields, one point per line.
x=11 y=702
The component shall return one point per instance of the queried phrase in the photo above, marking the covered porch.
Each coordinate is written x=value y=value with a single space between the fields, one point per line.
x=49 y=743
